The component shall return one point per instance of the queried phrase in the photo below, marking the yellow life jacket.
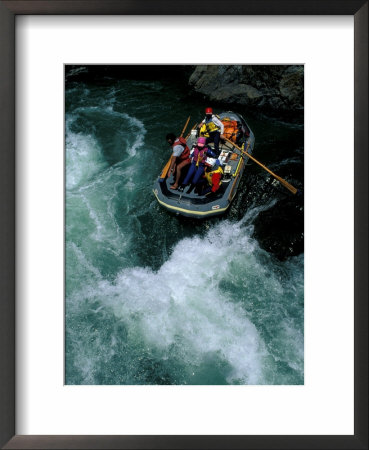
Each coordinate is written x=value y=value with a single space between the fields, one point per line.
x=209 y=175
x=203 y=131
x=208 y=127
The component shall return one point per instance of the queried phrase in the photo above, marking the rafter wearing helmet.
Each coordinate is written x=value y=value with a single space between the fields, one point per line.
x=212 y=128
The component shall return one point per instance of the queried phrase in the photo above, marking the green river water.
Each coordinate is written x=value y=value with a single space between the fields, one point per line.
x=152 y=298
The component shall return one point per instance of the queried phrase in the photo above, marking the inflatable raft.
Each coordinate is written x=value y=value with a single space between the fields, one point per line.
x=233 y=162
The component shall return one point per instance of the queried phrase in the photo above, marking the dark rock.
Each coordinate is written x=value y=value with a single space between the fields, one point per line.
x=280 y=230
x=291 y=85
x=265 y=87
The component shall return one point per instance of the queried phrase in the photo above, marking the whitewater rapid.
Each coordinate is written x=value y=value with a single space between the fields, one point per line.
x=151 y=299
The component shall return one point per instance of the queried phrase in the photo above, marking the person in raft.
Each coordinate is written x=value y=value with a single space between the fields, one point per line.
x=197 y=167
x=212 y=128
x=180 y=157
x=212 y=177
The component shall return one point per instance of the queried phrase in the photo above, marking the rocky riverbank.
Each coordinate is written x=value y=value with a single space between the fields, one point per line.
x=274 y=88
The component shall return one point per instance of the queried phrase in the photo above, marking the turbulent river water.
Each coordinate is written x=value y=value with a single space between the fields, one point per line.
x=152 y=298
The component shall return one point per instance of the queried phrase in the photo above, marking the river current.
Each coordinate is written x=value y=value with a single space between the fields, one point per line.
x=152 y=298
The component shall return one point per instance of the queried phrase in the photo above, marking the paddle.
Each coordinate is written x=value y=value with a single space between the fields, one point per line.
x=281 y=180
x=185 y=126
x=166 y=168
x=167 y=165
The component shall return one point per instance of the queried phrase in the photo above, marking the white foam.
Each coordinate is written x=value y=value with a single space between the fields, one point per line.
x=183 y=303
x=140 y=132
x=83 y=158
x=96 y=183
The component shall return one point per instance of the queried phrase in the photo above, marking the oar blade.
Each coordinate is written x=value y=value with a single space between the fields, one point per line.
x=287 y=185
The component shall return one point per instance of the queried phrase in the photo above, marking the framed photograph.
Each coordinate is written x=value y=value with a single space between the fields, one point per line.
x=184 y=224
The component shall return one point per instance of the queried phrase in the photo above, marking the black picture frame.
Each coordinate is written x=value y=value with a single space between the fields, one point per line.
x=8 y=11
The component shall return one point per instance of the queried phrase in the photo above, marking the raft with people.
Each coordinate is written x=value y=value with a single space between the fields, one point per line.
x=202 y=176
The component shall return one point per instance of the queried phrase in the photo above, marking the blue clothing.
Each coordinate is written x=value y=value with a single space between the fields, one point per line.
x=194 y=173
x=214 y=137
x=210 y=153
x=206 y=190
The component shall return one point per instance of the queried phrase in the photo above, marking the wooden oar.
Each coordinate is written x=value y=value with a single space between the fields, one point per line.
x=281 y=180
x=167 y=165
x=189 y=117
x=166 y=168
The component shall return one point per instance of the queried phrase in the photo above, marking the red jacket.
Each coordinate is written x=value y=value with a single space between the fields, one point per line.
x=215 y=179
x=186 y=152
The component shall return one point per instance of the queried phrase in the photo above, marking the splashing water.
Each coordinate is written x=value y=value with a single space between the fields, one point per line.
x=152 y=299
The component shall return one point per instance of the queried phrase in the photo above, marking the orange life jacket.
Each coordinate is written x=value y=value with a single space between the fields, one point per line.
x=230 y=129
x=186 y=151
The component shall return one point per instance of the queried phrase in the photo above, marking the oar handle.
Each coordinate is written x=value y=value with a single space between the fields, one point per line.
x=281 y=180
x=189 y=117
